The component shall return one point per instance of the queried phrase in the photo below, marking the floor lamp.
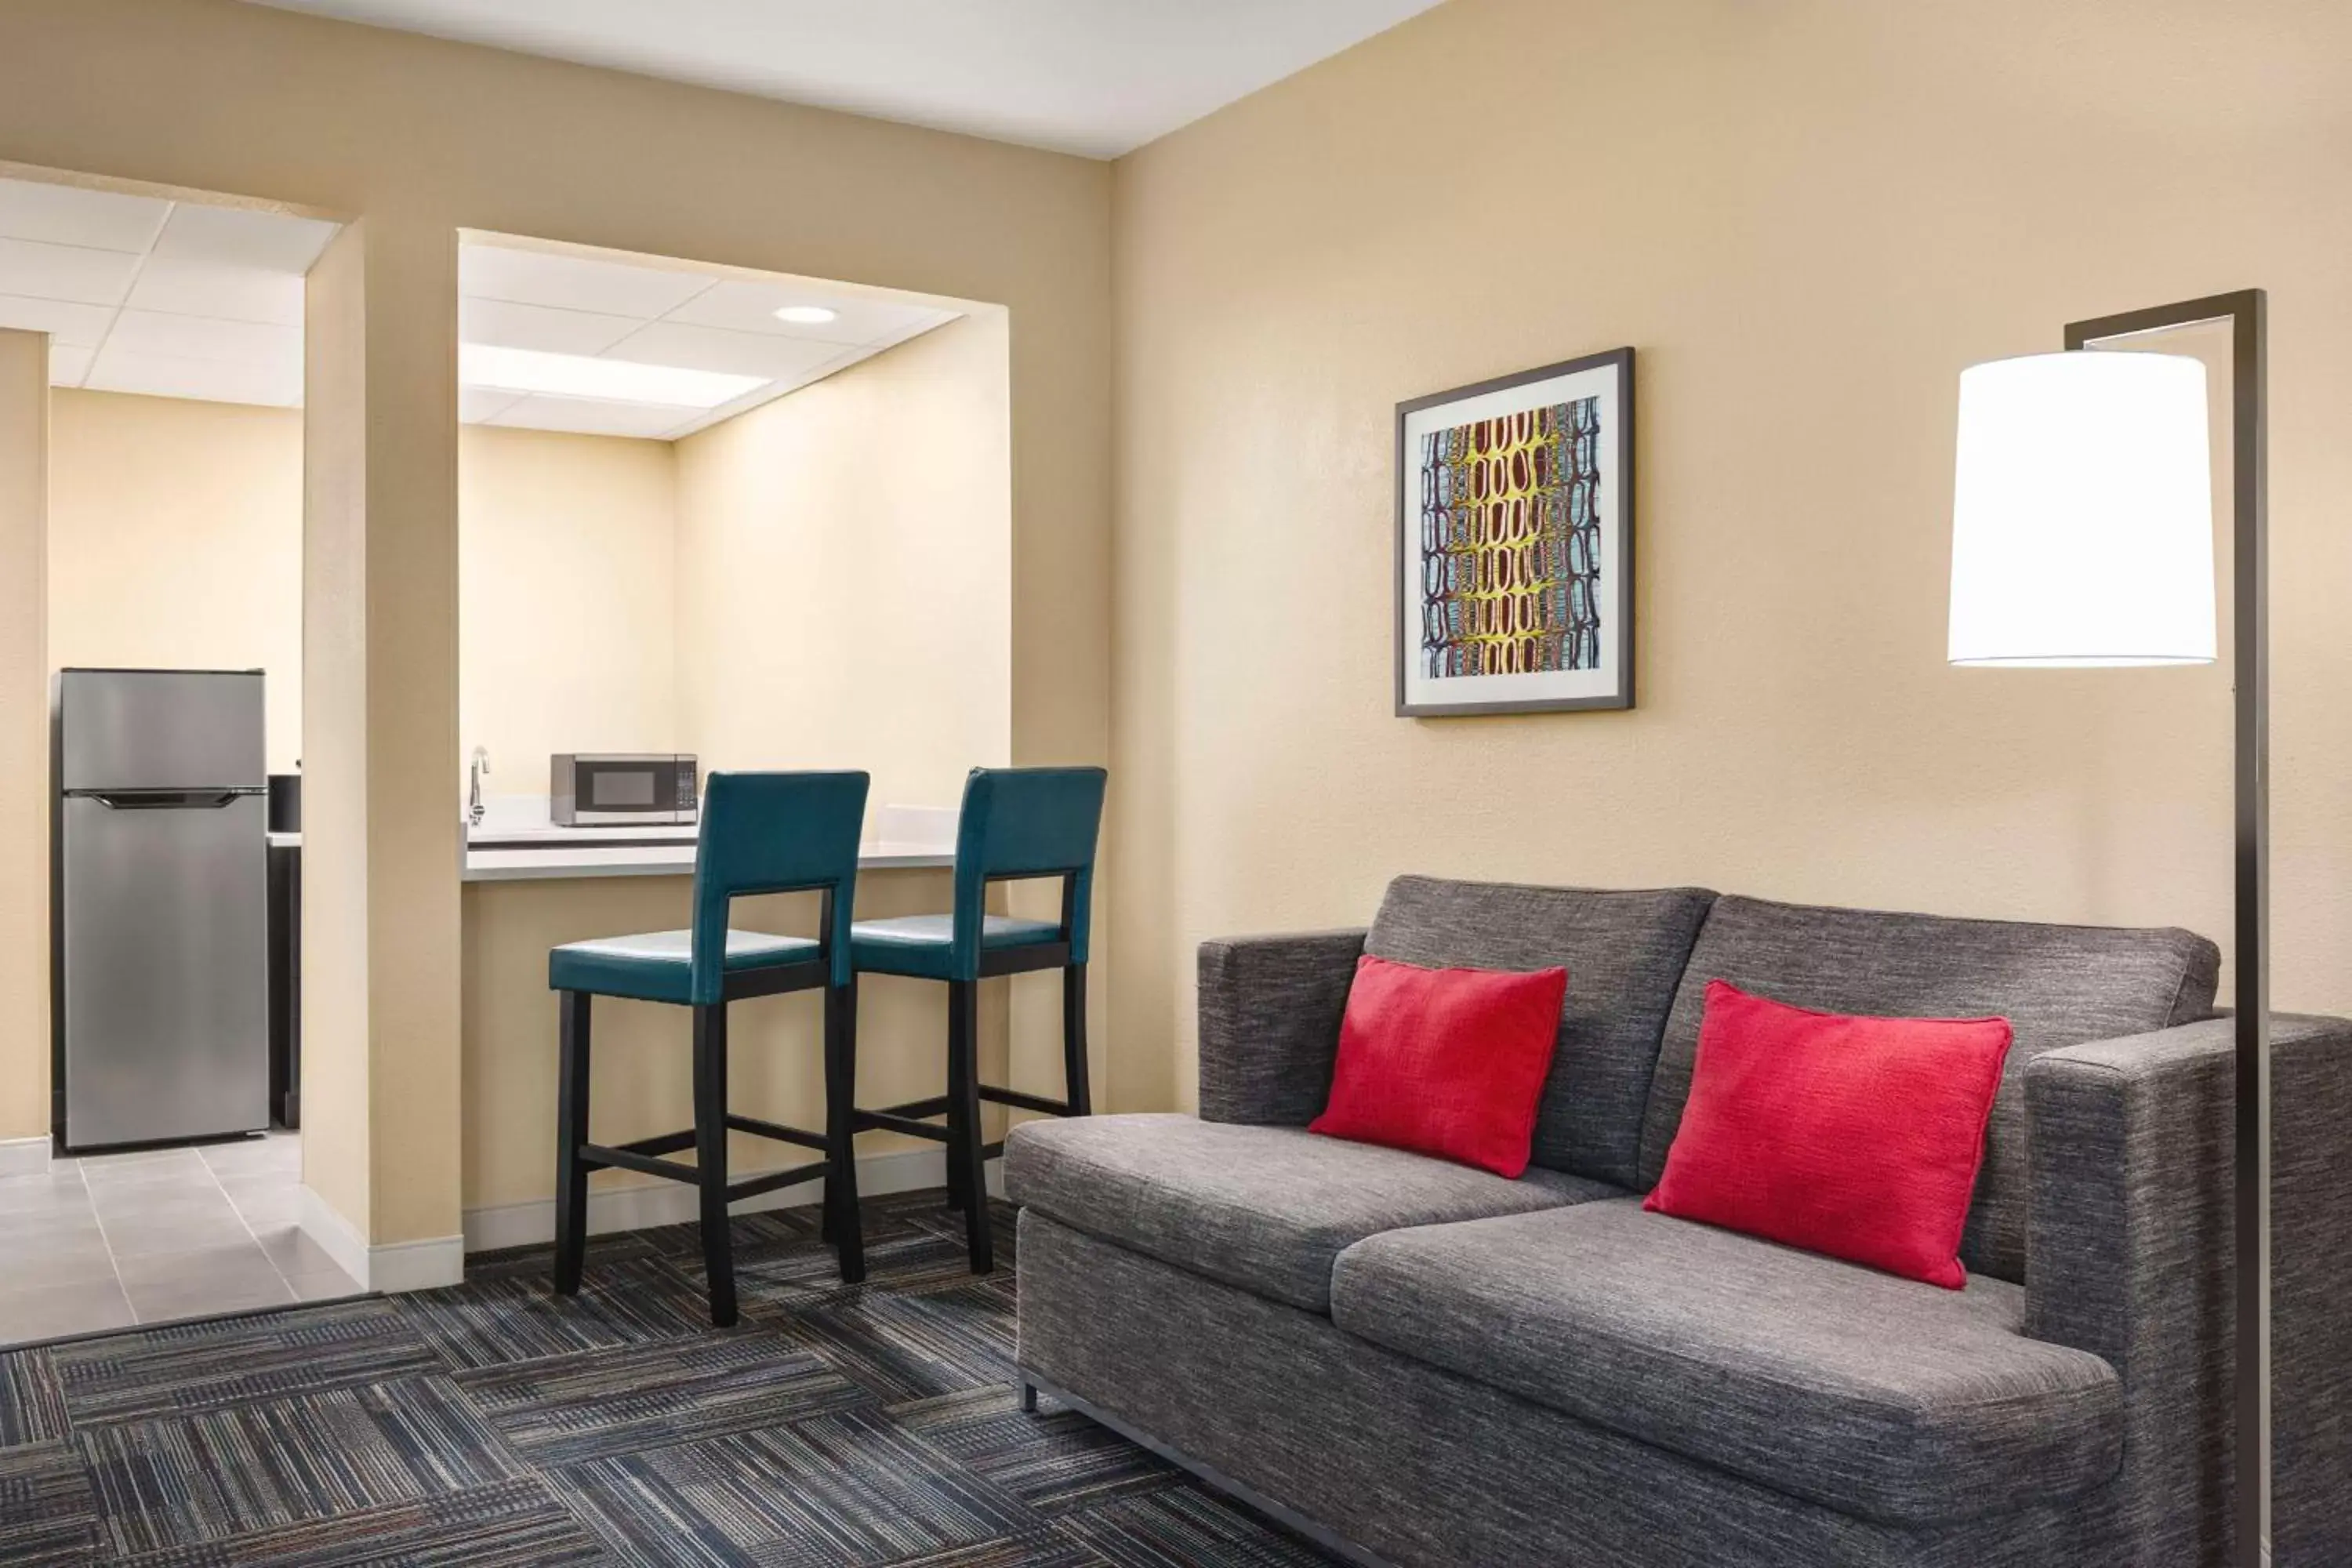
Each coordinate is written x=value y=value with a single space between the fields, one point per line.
x=2082 y=534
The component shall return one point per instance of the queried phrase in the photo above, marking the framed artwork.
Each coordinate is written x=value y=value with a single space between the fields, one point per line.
x=1514 y=542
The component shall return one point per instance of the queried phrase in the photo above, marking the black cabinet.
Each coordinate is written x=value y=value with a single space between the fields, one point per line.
x=285 y=984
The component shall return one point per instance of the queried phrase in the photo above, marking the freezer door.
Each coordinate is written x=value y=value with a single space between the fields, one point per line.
x=166 y=969
x=160 y=729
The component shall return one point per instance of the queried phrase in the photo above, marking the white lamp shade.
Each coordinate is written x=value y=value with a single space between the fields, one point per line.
x=2082 y=512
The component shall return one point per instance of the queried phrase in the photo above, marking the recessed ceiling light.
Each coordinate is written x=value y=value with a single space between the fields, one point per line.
x=807 y=315
x=605 y=380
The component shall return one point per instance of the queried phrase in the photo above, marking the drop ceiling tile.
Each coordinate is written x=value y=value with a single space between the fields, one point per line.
x=748 y=307
x=207 y=338
x=239 y=237
x=480 y=405
x=68 y=214
x=34 y=269
x=506 y=325
x=213 y=288
x=68 y=365
x=71 y=325
x=715 y=348
x=573 y=282
x=117 y=369
x=583 y=417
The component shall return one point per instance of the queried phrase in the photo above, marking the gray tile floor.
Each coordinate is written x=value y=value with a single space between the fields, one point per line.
x=115 y=1239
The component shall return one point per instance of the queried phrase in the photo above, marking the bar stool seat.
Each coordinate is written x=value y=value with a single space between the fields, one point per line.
x=659 y=966
x=923 y=946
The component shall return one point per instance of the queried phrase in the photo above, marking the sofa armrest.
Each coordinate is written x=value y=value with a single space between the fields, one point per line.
x=2129 y=1256
x=1270 y=1011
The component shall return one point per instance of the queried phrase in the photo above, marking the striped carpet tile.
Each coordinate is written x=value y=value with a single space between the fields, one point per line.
x=916 y=1346
x=782 y=1283
x=210 y=1363
x=252 y=1466
x=611 y=1401
x=850 y=1487
x=1183 y=1525
x=32 y=1403
x=515 y=1524
x=492 y=1425
x=47 y=1517
x=504 y=1313
x=1054 y=1460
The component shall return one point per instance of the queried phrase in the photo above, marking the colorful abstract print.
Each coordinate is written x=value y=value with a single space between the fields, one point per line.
x=1510 y=543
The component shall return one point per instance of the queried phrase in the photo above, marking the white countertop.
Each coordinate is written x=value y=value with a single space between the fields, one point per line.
x=530 y=849
x=661 y=860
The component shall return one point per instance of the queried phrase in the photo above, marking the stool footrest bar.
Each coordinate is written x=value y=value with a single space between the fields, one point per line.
x=776 y=1131
x=597 y=1154
x=774 y=1179
x=667 y=1143
x=991 y=1150
x=908 y=1125
x=935 y=1106
x=1020 y=1101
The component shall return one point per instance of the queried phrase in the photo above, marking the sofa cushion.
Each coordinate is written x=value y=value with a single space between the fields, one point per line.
x=1625 y=954
x=1877 y=1396
x=2057 y=986
x=1265 y=1208
x=1448 y=1062
x=1849 y=1136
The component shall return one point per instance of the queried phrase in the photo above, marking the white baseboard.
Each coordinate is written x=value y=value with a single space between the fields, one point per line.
x=397 y=1266
x=673 y=1202
x=23 y=1156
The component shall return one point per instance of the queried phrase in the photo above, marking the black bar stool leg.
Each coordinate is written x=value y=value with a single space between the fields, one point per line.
x=1074 y=1040
x=571 y=1132
x=710 y=1157
x=847 y=1231
x=956 y=1057
x=963 y=1118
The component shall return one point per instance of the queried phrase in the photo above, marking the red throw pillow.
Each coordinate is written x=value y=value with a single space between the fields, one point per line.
x=1449 y=1062
x=1859 y=1138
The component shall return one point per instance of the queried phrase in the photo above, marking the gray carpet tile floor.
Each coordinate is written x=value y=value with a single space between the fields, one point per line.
x=491 y=1426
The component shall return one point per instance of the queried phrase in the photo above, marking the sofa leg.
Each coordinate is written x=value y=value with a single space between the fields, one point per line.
x=1028 y=1397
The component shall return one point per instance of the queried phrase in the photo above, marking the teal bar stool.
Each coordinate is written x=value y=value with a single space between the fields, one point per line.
x=1017 y=824
x=761 y=833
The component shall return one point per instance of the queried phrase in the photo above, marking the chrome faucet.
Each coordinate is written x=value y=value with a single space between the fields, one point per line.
x=481 y=766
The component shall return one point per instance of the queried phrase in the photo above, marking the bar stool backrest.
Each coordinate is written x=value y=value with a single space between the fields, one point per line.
x=1025 y=822
x=775 y=833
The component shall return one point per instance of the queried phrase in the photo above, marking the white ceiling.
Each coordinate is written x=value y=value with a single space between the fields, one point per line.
x=680 y=317
x=1094 y=77
x=170 y=298
x=179 y=300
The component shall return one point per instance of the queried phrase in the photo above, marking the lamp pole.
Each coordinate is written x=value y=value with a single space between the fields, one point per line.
x=2250 y=644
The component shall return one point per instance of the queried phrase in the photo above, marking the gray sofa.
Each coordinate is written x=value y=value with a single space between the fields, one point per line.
x=1418 y=1363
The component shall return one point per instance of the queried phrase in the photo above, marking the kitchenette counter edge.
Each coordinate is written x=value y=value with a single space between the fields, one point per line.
x=662 y=861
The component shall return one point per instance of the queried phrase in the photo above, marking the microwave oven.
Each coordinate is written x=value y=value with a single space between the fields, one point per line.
x=616 y=789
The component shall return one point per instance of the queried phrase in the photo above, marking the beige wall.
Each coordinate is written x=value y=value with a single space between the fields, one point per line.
x=24 y=738
x=567 y=552
x=845 y=571
x=1807 y=217
x=175 y=539
x=417 y=137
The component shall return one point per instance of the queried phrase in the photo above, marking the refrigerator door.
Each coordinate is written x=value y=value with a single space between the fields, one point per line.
x=165 y=967
x=160 y=729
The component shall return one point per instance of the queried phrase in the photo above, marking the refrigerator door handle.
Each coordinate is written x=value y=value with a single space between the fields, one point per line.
x=165 y=799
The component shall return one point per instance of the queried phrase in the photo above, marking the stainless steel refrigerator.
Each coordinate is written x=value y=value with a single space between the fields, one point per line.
x=159 y=906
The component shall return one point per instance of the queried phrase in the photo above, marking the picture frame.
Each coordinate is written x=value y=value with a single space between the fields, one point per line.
x=1514 y=542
